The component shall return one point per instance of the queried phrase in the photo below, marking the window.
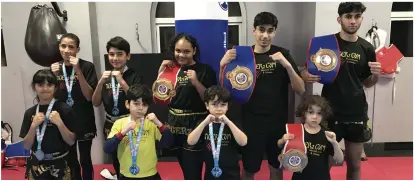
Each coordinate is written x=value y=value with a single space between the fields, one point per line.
x=402 y=18
x=165 y=31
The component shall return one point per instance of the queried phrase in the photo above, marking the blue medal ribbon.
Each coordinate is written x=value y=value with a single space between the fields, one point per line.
x=41 y=133
x=134 y=169
x=68 y=84
x=216 y=171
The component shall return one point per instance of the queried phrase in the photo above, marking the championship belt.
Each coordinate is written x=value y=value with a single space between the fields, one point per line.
x=239 y=76
x=164 y=87
x=294 y=155
x=323 y=58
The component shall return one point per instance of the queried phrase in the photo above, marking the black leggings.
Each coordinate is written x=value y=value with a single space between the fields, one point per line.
x=154 y=177
x=191 y=163
x=86 y=160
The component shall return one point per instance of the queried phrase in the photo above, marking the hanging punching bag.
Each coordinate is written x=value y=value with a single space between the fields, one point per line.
x=208 y=23
x=42 y=34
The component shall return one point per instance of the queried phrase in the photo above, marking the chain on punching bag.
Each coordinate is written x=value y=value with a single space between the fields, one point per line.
x=43 y=31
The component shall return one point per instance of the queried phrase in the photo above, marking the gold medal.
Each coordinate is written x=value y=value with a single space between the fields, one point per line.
x=325 y=60
x=294 y=160
x=163 y=89
x=241 y=78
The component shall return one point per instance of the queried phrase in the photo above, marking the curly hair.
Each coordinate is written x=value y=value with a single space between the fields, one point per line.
x=315 y=100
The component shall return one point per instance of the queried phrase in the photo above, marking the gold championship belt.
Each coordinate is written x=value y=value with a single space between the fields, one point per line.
x=325 y=60
x=294 y=155
x=241 y=78
x=164 y=87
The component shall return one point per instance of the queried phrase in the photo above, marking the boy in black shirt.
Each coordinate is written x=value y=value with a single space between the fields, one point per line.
x=265 y=114
x=346 y=94
x=220 y=143
x=77 y=80
x=320 y=143
x=49 y=131
x=113 y=85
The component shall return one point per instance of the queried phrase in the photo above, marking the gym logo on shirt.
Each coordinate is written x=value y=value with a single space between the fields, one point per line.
x=265 y=68
x=144 y=136
x=108 y=86
x=226 y=139
x=315 y=149
x=182 y=79
x=62 y=84
x=348 y=57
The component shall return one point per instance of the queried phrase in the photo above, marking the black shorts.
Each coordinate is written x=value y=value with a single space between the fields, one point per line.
x=351 y=131
x=262 y=138
x=58 y=169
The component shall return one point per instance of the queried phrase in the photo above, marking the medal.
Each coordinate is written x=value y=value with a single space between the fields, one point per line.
x=70 y=101
x=115 y=111
x=40 y=133
x=134 y=169
x=115 y=94
x=216 y=171
x=69 y=84
x=39 y=155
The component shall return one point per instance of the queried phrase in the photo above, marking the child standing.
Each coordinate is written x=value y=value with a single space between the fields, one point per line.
x=220 y=142
x=320 y=143
x=134 y=137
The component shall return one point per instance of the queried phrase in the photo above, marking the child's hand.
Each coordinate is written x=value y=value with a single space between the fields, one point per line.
x=224 y=119
x=210 y=118
x=331 y=137
x=153 y=118
x=288 y=136
x=130 y=126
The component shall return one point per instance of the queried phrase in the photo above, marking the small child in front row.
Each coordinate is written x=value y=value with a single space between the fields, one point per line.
x=138 y=130
x=319 y=142
x=221 y=161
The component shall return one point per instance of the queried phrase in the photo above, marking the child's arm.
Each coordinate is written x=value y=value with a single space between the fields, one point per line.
x=163 y=135
x=281 y=142
x=194 y=136
x=115 y=136
x=338 y=154
x=240 y=136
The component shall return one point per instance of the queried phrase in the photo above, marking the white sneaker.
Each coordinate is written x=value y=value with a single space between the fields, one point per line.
x=107 y=175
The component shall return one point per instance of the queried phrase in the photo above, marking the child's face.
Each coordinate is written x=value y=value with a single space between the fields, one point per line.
x=217 y=108
x=137 y=108
x=45 y=90
x=117 y=58
x=67 y=48
x=313 y=115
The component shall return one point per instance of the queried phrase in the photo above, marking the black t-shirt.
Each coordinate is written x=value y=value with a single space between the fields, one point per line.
x=130 y=77
x=346 y=94
x=270 y=96
x=228 y=158
x=82 y=108
x=318 y=151
x=187 y=97
x=52 y=140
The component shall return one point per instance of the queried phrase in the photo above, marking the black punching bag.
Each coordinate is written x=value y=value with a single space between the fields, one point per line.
x=42 y=34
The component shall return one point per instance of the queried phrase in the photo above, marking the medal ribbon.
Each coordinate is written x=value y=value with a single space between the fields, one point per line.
x=116 y=89
x=216 y=148
x=41 y=133
x=69 y=85
x=134 y=150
